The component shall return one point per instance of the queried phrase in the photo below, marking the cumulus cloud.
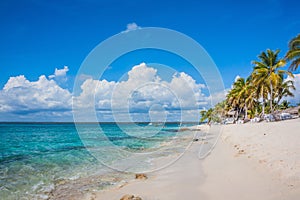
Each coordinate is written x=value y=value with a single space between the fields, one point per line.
x=99 y=89
x=143 y=95
x=142 y=92
x=20 y=95
x=296 y=98
x=131 y=27
x=215 y=98
x=60 y=74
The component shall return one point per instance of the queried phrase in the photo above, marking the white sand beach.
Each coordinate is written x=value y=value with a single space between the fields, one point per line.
x=255 y=161
x=250 y=161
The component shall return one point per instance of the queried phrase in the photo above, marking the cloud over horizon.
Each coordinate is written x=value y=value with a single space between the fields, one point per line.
x=142 y=96
x=142 y=92
x=296 y=98
x=20 y=94
x=60 y=75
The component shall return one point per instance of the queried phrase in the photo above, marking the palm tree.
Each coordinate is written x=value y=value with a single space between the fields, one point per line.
x=206 y=115
x=233 y=99
x=241 y=96
x=294 y=53
x=262 y=90
x=267 y=72
x=251 y=97
x=284 y=105
x=283 y=89
x=220 y=111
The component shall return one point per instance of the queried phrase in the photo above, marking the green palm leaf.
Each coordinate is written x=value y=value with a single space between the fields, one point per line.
x=293 y=53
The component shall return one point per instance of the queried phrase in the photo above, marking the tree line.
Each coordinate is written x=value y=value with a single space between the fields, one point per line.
x=263 y=91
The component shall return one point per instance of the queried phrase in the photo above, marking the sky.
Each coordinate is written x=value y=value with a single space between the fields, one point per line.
x=44 y=43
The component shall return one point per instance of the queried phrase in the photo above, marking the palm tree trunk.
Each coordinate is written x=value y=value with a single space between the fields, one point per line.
x=238 y=114
x=280 y=96
x=246 y=112
x=271 y=97
x=263 y=107
x=263 y=102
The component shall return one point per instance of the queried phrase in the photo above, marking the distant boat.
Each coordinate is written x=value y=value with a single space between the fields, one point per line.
x=158 y=124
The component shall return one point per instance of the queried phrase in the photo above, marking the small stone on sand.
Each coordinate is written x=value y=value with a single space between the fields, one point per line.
x=141 y=176
x=130 y=197
x=127 y=197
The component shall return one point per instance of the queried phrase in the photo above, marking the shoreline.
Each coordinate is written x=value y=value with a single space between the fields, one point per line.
x=245 y=164
x=158 y=186
x=168 y=152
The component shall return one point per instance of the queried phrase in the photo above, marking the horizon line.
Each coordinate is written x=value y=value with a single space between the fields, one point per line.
x=51 y=122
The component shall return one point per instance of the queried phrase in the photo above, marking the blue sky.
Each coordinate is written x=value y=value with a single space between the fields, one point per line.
x=39 y=36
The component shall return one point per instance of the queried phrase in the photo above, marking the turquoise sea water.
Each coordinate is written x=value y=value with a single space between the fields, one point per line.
x=35 y=158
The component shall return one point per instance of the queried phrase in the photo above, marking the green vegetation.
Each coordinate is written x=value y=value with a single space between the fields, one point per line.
x=267 y=74
x=207 y=115
x=262 y=92
x=294 y=53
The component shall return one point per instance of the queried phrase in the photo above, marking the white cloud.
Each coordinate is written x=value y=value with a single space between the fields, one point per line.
x=142 y=93
x=296 y=98
x=237 y=78
x=60 y=74
x=102 y=90
x=131 y=27
x=83 y=77
x=21 y=95
x=215 y=98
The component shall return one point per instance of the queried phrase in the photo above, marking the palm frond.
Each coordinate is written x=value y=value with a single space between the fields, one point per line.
x=293 y=53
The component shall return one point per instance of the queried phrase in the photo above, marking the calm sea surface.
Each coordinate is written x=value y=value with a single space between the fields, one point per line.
x=35 y=158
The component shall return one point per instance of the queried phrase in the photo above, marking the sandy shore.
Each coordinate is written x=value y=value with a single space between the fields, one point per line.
x=255 y=161
x=250 y=161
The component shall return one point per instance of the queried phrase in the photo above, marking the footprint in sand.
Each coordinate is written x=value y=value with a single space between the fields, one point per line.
x=240 y=152
x=262 y=161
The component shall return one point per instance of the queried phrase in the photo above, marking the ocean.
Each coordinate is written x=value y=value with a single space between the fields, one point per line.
x=56 y=160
